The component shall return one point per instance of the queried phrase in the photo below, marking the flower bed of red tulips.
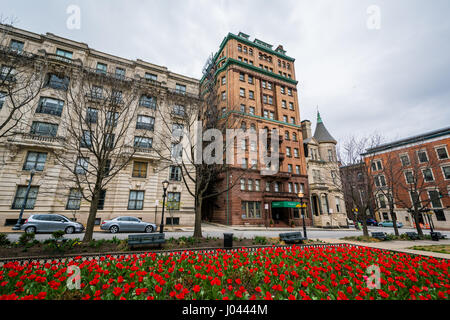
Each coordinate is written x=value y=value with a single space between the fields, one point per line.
x=303 y=273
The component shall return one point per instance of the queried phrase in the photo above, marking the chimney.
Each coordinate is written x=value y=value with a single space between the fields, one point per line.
x=306 y=129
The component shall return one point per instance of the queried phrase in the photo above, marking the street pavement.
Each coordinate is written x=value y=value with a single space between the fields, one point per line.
x=217 y=231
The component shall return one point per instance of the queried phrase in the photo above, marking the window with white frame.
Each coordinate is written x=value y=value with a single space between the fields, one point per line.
x=380 y=181
x=409 y=177
x=422 y=155
x=442 y=152
x=428 y=175
x=446 y=172
x=376 y=165
x=338 y=204
x=404 y=158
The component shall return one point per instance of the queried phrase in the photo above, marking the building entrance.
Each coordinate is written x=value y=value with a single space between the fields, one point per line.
x=280 y=216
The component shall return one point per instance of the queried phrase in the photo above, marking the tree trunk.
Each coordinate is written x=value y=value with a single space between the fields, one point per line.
x=198 y=218
x=92 y=215
x=364 y=223
x=416 y=220
x=394 y=221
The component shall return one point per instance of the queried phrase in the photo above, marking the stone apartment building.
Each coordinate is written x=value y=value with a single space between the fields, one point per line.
x=137 y=189
x=257 y=88
x=327 y=198
x=421 y=166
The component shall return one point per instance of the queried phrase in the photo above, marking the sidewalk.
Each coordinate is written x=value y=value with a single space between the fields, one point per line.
x=256 y=228
x=399 y=246
x=9 y=229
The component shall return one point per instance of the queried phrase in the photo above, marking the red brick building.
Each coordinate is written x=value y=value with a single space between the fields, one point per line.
x=257 y=87
x=421 y=170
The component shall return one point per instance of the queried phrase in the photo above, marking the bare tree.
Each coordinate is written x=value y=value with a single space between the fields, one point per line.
x=181 y=143
x=387 y=174
x=22 y=77
x=99 y=113
x=356 y=176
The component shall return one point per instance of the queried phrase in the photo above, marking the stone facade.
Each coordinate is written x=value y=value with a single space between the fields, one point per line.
x=53 y=193
x=327 y=198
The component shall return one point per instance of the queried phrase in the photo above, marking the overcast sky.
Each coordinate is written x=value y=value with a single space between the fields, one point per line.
x=394 y=80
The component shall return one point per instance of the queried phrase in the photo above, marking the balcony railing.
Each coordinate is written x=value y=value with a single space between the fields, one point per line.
x=15 y=52
x=183 y=93
x=109 y=75
x=61 y=59
x=36 y=138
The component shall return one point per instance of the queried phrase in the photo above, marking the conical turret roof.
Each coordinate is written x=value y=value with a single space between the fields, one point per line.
x=322 y=134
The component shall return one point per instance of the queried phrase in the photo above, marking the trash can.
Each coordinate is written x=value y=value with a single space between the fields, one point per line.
x=228 y=240
x=434 y=236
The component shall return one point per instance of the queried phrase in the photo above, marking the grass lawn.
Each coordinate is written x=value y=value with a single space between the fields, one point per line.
x=445 y=248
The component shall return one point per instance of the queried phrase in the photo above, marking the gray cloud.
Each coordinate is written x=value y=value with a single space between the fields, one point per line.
x=394 y=80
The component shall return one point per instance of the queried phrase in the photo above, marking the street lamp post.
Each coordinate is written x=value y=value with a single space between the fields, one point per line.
x=303 y=206
x=355 y=214
x=17 y=226
x=165 y=186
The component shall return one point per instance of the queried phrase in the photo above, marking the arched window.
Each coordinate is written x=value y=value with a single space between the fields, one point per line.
x=239 y=48
x=294 y=136
x=286 y=135
x=243 y=126
x=253 y=127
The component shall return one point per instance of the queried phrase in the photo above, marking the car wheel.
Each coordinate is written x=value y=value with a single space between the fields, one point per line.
x=30 y=230
x=149 y=229
x=70 y=230
x=114 y=229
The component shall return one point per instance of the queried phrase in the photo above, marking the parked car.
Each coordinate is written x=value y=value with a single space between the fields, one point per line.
x=389 y=223
x=350 y=223
x=48 y=223
x=372 y=222
x=127 y=224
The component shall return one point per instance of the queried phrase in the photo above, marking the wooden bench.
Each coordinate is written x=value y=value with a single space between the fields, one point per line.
x=379 y=235
x=146 y=239
x=292 y=237
x=413 y=235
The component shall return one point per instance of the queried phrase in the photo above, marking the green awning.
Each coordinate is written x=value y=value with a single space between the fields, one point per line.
x=286 y=204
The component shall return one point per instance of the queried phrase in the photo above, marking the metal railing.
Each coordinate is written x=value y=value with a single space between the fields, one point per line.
x=131 y=254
